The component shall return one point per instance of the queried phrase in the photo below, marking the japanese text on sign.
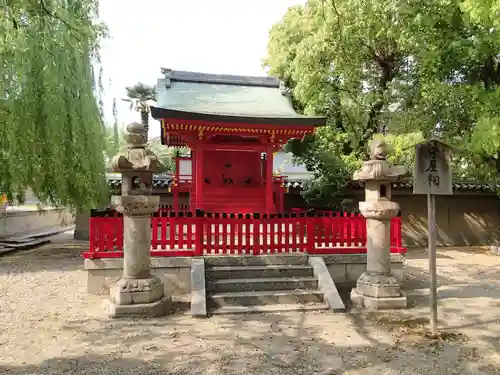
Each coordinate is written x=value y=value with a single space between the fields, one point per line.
x=432 y=174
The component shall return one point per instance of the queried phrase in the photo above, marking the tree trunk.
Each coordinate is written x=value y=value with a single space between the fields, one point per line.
x=145 y=122
x=81 y=226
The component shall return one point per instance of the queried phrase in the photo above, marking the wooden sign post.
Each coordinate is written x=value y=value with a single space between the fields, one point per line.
x=432 y=176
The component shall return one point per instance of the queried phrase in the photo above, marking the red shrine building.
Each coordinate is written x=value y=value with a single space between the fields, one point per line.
x=233 y=125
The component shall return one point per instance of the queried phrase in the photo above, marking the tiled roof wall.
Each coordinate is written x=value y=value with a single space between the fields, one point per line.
x=115 y=182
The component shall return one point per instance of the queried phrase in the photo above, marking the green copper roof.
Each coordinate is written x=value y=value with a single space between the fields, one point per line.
x=224 y=95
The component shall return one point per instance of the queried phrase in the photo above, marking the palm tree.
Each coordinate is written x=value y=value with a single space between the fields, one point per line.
x=140 y=95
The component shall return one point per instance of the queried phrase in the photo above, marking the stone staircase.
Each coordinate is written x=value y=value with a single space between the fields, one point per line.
x=242 y=284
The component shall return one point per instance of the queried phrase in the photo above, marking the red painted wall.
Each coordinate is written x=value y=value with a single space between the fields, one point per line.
x=234 y=182
x=235 y=166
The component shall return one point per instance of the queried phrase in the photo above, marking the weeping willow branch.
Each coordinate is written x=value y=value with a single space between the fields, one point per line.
x=52 y=139
x=58 y=17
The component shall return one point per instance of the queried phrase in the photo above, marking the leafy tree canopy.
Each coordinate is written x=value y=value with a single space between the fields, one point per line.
x=405 y=68
x=165 y=154
x=140 y=95
x=52 y=133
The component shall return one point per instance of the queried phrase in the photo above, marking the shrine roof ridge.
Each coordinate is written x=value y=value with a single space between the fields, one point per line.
x=267 y=119
x=225 y=79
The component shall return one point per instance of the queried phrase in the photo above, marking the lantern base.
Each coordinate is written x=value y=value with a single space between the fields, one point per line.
x=146 y=310
x=380 y=303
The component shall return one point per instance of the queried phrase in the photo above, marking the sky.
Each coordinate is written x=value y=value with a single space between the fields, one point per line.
x=208 y=36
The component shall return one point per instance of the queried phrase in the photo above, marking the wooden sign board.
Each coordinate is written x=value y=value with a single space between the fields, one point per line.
x=432 y=174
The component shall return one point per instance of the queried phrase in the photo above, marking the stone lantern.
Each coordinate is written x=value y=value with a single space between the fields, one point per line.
x=137 y=293
x=377 y=288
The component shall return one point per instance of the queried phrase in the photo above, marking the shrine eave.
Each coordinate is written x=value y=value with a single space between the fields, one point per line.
x=214 y=118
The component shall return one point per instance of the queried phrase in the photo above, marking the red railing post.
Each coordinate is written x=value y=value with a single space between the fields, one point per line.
x=392 y=233
x=399 y=238
x=400 y=232
x=154 y=230
x=199 y=233
x=256 y=233
x=396 y=234
x=310 y=233
x=362 y=230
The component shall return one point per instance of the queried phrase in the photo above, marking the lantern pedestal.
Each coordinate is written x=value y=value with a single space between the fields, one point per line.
x=137 y=293
x=377 y=288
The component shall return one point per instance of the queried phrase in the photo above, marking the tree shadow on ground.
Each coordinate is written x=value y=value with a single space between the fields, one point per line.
x=255 y=344
x=418 y=278
x=470 y=250
x=289 y=343
x=421 y=253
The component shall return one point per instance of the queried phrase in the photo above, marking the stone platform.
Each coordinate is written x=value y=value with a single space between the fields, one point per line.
x=176 y=272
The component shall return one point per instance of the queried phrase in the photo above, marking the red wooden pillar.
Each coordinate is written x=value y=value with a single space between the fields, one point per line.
x=192 y=192
x=199 y=178
x=269 y=180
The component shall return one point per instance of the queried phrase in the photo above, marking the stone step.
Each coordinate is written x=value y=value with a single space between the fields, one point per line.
x=269 y=308
x=256 y=260
x=246 y=272
x=261 y=284
x=252 y=298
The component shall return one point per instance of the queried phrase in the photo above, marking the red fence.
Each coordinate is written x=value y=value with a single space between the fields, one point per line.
x=185 y=234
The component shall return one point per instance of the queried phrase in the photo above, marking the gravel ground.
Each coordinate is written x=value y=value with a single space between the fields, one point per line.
x=50 y=325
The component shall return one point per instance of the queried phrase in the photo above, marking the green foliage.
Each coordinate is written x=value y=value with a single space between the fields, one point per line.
x=52 y=133
x=165 y=154
x=113 y=141
x=141 y=92
x=139 y=97
x=407 y=69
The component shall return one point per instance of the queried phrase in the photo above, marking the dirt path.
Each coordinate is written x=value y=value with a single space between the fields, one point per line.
x=50 y=325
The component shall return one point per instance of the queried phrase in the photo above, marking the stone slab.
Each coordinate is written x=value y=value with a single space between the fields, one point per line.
x=348 y=273
x=155 y=262
x=337 y=272
x=198 y=290
x=357 y=258
x=256 y=260
x=253 y=272
x=157 y=308
x=353 y=271
x=372 y=303
x=277 y=308
x=262 y=283
x=326 y=285
x=176 y=281
x=265 y=297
